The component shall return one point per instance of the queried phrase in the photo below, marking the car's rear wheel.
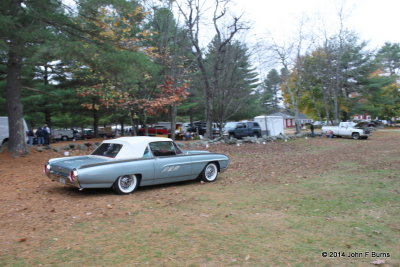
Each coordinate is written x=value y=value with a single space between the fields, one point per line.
x=355 y=136
x=210 y=173
x=126 y=184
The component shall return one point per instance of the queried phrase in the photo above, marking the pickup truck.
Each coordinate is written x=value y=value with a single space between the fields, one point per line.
x=106 y=132
x=348 y=129
x=60 y=134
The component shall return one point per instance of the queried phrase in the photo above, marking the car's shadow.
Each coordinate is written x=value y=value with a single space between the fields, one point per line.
x=96 y=192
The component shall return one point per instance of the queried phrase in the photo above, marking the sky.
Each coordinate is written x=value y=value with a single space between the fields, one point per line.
x=376 y=21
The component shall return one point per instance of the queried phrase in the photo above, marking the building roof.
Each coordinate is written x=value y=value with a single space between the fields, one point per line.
x=283 y=115
x=287 y=116
x=303 y=117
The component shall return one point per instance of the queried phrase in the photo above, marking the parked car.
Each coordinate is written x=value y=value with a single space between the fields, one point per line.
x=242 y=129
x=200 y=127
x=128 y=162
x=154 y=131
x=348 y=129
x=167 y=125
x=87 y=134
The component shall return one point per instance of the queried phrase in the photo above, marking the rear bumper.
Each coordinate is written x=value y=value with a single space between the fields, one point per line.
x=62 y=178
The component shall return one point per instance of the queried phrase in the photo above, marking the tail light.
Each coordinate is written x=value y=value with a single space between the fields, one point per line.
x=46 y=169
x=73 y=175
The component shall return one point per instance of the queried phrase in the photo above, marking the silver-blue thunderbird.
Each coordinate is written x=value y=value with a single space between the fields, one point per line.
x=128 y=162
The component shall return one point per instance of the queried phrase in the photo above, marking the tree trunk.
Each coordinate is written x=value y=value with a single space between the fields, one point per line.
x=16 y=142
x=95 y=120
x=335 y=106
x=209 y=115
x=122 y=128
x=131 y=115
x=47 y=117
x=173 y=121
x=47 y=112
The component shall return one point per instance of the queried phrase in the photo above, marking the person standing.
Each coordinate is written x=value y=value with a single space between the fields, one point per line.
x=47 y=133
x=30 y=135
x=40 y=136
x=312 y=130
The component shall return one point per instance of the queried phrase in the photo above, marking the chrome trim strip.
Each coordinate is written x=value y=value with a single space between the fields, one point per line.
x=111 y=162
x=137 y=159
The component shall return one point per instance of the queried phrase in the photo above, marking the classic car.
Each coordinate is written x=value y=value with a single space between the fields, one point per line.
x=128 y=162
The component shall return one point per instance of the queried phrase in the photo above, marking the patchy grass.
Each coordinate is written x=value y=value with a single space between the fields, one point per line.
x=351 y=207
x=243 y=225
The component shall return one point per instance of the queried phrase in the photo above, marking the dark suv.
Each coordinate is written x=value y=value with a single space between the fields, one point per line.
x=242 y=129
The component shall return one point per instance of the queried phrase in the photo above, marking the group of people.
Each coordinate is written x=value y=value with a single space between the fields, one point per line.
x=42 y=135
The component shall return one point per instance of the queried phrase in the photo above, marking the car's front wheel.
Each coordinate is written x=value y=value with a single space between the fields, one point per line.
x=126 y=184
x=210 y=173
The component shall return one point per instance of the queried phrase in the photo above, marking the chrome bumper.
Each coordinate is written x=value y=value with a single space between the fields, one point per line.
x=61 y=178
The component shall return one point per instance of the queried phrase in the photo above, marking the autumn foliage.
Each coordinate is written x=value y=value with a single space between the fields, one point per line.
x=150 y=102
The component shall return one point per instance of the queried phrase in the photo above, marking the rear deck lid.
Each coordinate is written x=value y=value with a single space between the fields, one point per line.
x=76 y=162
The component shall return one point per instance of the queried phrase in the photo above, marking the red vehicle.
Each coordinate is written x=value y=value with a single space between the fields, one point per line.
x=153 y=131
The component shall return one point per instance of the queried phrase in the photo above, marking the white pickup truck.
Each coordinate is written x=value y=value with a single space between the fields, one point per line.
x=348 y=129
x=62 y=135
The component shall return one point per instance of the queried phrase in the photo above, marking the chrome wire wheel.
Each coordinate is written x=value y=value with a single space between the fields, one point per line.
x=210 y=172
x=126 y=184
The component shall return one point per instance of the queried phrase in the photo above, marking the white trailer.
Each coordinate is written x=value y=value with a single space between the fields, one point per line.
x=270 y=125
x=4 y=129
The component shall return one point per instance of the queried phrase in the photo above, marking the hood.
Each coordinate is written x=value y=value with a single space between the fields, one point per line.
x=230 y=126
x=71 y=163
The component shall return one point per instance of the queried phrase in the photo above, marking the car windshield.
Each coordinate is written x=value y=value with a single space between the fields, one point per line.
x=107 y=150
x=230 y=125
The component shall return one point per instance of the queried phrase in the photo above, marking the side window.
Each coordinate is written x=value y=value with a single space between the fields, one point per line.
x=108 y=150
x=256 y=124
x=177 y=149
x=160 y=149
x=147 y=153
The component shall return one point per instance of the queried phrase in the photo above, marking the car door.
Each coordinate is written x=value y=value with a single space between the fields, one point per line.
x=343 y=129
x=170 y=164
x=249 y=129
x=240 y=130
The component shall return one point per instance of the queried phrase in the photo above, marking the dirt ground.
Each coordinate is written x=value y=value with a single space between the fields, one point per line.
x=31 y=203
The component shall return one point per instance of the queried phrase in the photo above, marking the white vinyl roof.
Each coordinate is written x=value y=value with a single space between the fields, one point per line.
x=134 y=147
